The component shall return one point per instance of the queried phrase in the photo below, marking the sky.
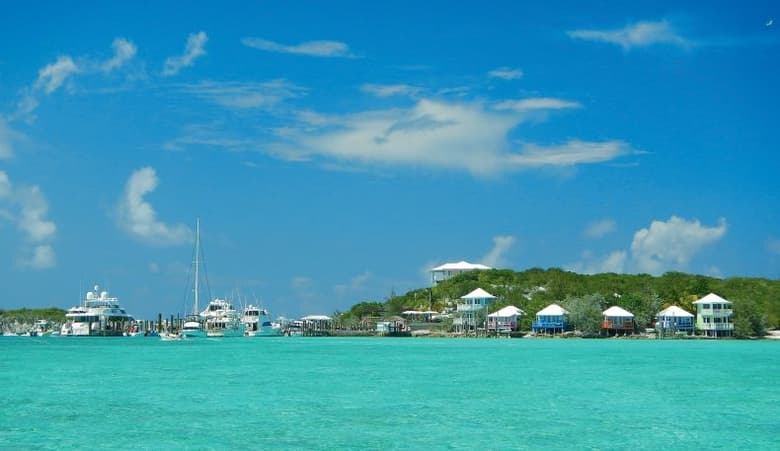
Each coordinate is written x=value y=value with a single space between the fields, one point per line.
x=336 y=151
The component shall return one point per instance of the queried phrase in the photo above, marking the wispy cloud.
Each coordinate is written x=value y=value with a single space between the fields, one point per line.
x=245 y=95
x=124 y=50
x=671 y=244
x=356 y=285
x=535 y=104
x=438 y=134
x=28 y=209
x=640 y=34
x=773 y=245
x=506 y=73
x=325 y=49
x=138 y=218
x=496 y=257
x=8 y=137
x=615 y=262
x=193 y=50
x=53 y=75
x=600 y=228
x=390 y=90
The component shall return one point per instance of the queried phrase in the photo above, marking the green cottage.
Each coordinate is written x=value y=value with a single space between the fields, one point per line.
x=714 y=316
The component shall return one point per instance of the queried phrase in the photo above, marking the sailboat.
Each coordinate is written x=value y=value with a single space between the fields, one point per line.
x=193 y=324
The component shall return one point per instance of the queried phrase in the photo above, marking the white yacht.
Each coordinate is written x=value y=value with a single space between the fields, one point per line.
x=221 y=319
x=257 y=323
x=100 y=315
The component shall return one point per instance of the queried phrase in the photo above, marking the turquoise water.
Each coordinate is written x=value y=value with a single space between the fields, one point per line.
x=385 y=393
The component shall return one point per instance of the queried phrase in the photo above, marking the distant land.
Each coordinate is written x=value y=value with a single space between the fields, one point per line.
x=756 y=300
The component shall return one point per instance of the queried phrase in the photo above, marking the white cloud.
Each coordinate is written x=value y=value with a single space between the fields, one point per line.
x=42 y=257
x=124 y=50
x=773 y=245
x=311 y=48
x=600 y=228
x=390 y=90
x=240 y=95
x=573 y=152
x=7 y=137
x=355 y=285
x=501 y=245
x=536 y=103
x=193 y=50
x=670 y=245
x=138 y=217
x=506 y=73
x=52 y=76
x=615 y=262
x=439 y=134
x=32 y=217
x=29 y=210
x=640 y=34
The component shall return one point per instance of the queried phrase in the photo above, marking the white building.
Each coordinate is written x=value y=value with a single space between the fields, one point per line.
x=504 y=320
x=674 y=319
x=448 y=270
x=714 y=316
x=470 y=307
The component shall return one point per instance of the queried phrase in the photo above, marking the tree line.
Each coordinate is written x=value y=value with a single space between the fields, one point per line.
x=756 y=301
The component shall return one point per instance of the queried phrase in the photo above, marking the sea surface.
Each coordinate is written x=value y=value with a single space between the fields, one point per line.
x=388 y=393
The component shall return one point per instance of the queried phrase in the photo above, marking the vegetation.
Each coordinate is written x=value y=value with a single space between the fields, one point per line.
x=756 y=300
x=21 y=319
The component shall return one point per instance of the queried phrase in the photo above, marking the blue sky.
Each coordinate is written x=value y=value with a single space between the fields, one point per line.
x=336 y=151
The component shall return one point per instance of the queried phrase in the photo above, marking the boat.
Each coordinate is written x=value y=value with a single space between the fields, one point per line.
x=257 y=323
x=100 y=315
x=41 y=328
x=138 y=329
x=193 y=326
x=221 y=319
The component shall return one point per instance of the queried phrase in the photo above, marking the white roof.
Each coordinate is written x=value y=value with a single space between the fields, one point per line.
x=461 y=265
x=479 y=293
x=675 y=312
x=712 y=298
x=617 y=312
x=411 y=312
x=552 y=310
x=506 y=312
x=316 y=318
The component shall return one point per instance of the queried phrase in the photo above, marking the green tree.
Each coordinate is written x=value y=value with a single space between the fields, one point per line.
x=749 y=321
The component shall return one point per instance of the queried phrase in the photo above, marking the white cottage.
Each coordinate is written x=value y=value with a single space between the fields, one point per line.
x=447 y=270
x=470 y=306
x=714 y=316
x=672 y=320
x=504 y=320
x=617 y=321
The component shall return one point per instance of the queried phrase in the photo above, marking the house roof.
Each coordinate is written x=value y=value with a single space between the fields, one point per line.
x=506 y=312
x=479 y=293
x=461 y=265
x=617 y=312
x=712 y=298
x=675 y=312
x=316 y=318
x=552 y=310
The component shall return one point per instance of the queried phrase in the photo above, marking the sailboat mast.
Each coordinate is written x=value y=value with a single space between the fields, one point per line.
x=197 y=261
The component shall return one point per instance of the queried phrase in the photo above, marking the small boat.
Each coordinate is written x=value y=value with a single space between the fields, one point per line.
x=257 y=323
x=221 y=319
x=41 y=328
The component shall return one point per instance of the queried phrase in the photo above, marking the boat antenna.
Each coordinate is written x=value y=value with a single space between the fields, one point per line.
x=197 y=258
